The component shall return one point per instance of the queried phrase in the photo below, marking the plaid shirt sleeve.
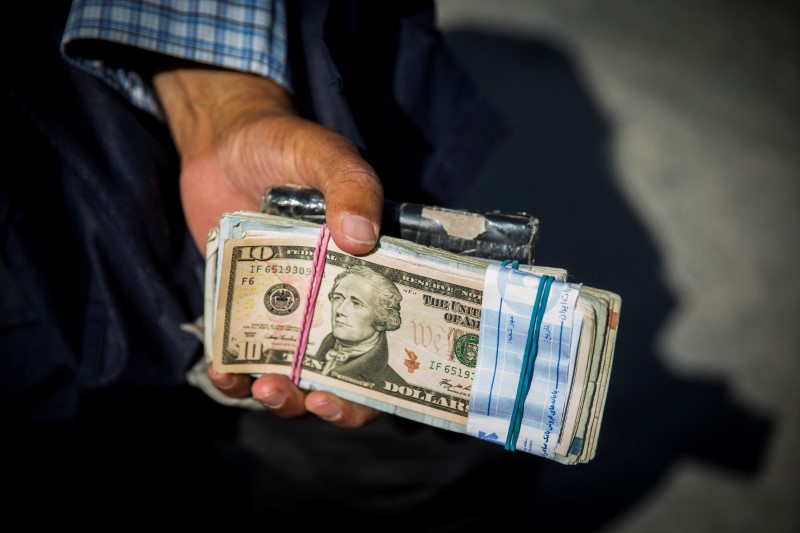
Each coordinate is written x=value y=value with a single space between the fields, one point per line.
x=244 y=35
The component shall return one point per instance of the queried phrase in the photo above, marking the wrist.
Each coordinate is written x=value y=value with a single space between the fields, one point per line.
x=202 y=104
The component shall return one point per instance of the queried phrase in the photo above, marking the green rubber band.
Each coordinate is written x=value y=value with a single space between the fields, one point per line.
x=529 y=357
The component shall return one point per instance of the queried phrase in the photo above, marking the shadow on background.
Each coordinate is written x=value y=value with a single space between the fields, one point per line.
x=556 y=165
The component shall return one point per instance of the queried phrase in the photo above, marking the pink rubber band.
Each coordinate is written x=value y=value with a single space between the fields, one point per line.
x=317 y=267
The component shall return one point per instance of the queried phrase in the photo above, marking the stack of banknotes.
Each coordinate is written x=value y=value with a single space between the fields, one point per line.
x=512 y=354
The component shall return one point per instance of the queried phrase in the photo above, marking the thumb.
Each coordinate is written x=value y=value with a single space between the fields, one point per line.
x=353 y=199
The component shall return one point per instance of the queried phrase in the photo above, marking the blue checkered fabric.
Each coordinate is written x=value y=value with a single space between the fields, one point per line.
x=244 y=35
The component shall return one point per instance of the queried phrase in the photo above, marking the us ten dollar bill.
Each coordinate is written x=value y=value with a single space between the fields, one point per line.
x=395 y=335
x=397 y=329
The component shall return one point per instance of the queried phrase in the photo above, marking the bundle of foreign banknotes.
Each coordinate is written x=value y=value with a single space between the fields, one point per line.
x=506 y=352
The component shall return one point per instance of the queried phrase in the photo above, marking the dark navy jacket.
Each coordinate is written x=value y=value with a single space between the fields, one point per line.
x=98 y=272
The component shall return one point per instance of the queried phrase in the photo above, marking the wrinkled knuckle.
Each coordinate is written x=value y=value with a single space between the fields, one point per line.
x=357 y=176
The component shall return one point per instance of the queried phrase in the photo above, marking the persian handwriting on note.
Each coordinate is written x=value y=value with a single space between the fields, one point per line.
x=404 y=329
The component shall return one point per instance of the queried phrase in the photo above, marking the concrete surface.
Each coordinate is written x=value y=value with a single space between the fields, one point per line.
x=658 y=144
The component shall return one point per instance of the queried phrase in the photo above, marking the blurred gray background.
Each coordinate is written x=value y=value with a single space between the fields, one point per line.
x=657 y=142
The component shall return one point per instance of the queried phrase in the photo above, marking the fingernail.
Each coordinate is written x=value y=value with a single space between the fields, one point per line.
x=271 y=398
x=326 y=410
x=223 y=381
x=358 y=229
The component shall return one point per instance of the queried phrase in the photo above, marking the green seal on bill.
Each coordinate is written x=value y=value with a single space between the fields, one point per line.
x=466 y=349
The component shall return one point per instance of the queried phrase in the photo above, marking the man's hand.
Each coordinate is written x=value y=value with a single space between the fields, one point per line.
x=238 y=134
